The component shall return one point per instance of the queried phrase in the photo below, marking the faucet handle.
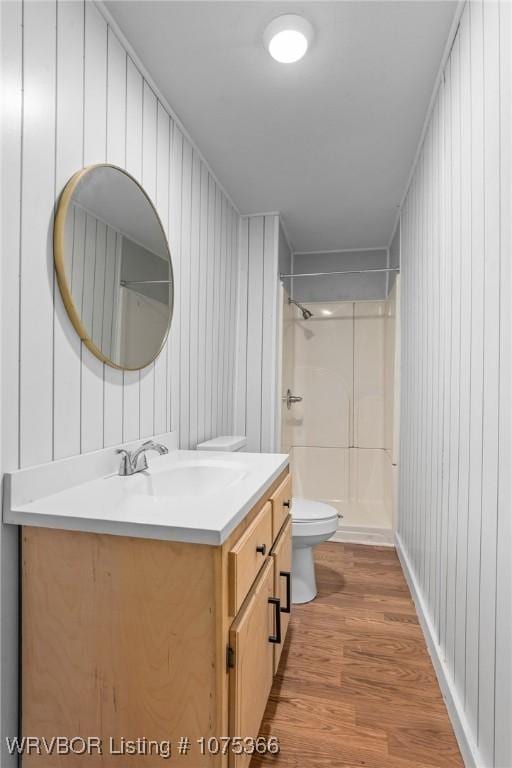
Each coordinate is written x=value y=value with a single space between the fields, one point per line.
x=141 y=462
x=125 y=461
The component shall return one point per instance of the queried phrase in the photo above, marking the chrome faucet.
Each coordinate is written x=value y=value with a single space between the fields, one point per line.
x=136 y=461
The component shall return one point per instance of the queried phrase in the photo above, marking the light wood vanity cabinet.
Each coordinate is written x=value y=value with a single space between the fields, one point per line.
x=127 y=638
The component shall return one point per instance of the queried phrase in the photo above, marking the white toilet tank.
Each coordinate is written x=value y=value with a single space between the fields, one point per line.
x=224 y=443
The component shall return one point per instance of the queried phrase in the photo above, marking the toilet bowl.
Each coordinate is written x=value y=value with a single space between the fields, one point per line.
x=312 y=523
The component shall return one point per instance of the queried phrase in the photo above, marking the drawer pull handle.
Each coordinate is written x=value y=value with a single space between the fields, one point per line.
x=262 y=548
x=275 y=601
x=288 y=576
x=287 y=503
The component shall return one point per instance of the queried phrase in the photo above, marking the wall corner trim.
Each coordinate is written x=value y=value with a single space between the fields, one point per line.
x=467 y=745
x=452 y=34
x=112 y=23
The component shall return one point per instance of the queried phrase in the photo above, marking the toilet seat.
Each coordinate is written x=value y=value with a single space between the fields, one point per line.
x=305 y=510
x=313 y=518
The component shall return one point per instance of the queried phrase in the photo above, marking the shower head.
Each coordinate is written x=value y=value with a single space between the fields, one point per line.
x=306 y=314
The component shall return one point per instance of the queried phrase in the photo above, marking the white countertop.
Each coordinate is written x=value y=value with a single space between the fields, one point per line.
x=160 y=503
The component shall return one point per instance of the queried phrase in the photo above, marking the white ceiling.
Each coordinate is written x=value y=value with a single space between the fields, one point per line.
x=328 y=141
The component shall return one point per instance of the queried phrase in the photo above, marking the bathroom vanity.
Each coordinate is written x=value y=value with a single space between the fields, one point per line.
x=153 y=607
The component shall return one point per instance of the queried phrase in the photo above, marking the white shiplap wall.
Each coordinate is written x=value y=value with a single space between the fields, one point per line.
x=85 y=101
x=455 y=494
x=256 y=407
x=73 y=96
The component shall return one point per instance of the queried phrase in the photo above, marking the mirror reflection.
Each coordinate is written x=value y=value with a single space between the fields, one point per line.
x=114 y=266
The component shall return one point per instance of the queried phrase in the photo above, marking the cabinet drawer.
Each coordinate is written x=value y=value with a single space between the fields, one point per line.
x=251 y=639
x=281 y=505
x=247 y=556
x=282 y=556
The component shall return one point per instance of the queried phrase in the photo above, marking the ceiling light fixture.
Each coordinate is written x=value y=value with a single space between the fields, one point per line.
x=288 y=37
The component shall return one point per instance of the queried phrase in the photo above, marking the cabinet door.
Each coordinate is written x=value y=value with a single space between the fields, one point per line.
x=250 y=678
x=281 y=505
x=282 y=556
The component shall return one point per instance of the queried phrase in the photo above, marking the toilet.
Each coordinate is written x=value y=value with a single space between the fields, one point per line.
x=312 y=523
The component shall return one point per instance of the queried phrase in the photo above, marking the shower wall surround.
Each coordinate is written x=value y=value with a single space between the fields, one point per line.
x=73 y=96
x=341 y=434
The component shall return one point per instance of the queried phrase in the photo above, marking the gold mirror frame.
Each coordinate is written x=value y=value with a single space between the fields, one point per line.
x=59 y=261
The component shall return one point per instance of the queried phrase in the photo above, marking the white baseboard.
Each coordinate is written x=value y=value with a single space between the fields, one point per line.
x=355 y=534
x=467 y=745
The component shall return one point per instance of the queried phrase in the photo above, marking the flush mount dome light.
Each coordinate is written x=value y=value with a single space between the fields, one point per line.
x=287 y=38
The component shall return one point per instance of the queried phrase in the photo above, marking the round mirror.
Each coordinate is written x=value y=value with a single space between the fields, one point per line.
x=113 y=266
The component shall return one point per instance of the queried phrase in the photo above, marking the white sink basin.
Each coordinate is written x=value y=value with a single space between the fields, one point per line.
x=188 y=479
x=190 y=496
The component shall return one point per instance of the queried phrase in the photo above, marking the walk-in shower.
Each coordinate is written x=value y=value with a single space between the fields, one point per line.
x=339 y=431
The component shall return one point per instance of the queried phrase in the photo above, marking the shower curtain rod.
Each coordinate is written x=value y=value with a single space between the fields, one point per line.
x=346 y=272
x=124 y=283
